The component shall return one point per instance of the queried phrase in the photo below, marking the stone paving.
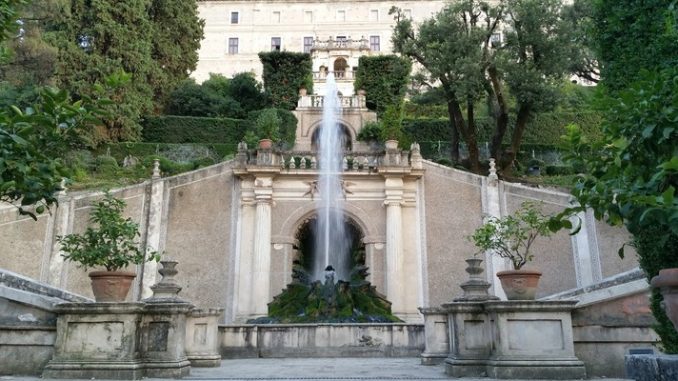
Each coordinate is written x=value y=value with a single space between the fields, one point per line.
x=324 y=369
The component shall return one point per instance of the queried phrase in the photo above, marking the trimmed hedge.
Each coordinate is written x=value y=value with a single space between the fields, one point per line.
x=120 y=150
x=284 y=74
x=544 y=129
x=384 y=78
x=188 y=129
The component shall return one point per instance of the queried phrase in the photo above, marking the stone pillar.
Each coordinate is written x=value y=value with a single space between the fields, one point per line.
x=261 y=265
x=394 y=244
x=63 y=225
x=492 y=208
x=244 y=247
x=153 y=230
x=435 y=330
x=585 y=250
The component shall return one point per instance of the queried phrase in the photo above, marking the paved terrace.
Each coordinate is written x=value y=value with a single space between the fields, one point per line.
x=325 y=369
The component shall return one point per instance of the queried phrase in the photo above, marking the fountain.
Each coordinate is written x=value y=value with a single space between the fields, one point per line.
x=329 y=279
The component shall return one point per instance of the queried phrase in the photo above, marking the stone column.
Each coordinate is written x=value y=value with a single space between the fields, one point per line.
x=492 y=208
x=585 y=251
x=63 y=225
x=261 y=265
x=244 y=247
x=394 y=244
x=153 y=230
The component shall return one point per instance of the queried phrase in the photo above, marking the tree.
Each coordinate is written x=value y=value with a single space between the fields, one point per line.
x=176 y=36
x=191 y=99
x=98 y=38
x=630 y=178
x=460 y=48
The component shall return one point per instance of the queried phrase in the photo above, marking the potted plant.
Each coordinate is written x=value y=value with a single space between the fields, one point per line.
x=112 y=245
x=512 y=237
x=267 y=127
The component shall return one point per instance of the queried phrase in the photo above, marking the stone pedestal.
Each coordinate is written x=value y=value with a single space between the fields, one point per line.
x=163 y=334
x=120 y=341
x=202 y=338
x=514 y=339
x=97 y=340
x=435 y=330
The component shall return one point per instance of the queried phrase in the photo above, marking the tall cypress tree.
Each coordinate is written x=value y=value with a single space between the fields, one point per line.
x=177 y=32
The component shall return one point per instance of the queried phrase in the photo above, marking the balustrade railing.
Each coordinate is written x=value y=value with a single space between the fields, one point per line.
x=354 y=101
x=341 y=43
x=340 y=75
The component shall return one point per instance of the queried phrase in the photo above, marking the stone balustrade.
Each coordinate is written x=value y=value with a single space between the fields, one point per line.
x=341 y=43
x=317 y=101
x=320 y=76
x=352 y=161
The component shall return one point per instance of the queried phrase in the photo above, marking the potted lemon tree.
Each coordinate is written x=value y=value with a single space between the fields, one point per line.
x=110 y=244
x=511 y=237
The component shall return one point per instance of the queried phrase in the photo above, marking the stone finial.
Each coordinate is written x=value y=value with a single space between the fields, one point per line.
x=242 y=147
x=156 y=169
x=62 y=186
x=475 y=289
x=493 y=172
x=167 y=289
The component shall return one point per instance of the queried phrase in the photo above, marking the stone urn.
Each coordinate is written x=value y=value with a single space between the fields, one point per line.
x=265 y=144
x=111 y=286
x=519 y=284
x=667 y=283
x=391 y=144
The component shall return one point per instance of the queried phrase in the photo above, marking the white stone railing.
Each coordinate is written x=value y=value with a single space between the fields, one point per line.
x=351 y=161
x=317 y=101
x=320 y=76
x=331 y=44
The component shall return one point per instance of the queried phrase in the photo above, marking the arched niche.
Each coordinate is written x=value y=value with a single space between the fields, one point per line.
x=346 y=137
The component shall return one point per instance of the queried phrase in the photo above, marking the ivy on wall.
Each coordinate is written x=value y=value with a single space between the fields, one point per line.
x=284 y=74
x=384 y=78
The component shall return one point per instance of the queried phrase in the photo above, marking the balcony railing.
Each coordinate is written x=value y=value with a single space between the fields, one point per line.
x=341 y=44
x=317 y=101
x=340 y=75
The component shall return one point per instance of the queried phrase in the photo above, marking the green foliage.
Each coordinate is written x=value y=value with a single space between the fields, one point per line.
x=267 y=125
x=392 y=122
x=97 y=39
x=175 y=39
x=633 y=36
x=512 y=236
x=456 y=49
x=284 y=74
x=191 y=99
x=245 y=89
x=31 y=142
x=112 y=244
x=185 y=129
x=428 y=111
x=384 y=78
x=658 y=250
x=371 y=132
x=171 y=151
x=287 y=128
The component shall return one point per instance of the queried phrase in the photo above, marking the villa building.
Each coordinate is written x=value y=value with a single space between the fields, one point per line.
x=335 y=33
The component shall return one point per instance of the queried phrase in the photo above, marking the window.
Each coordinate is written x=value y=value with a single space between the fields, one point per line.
x=495 y=40
x=374 y=15
x=275 y=44
x=374 y=44
x=341 y=15
x=308 y=44
x=276 y=17
x=234 y=17
x=308 y=16
x=233 y=46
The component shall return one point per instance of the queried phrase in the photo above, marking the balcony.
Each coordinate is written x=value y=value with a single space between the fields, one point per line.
x=346 y=102
x=340 y=44
x=321 y=76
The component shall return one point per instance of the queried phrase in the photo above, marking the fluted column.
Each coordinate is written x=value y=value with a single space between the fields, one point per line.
x=394 y=243
x=261 y=266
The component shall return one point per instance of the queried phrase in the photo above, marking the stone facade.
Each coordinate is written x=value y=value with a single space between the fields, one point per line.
x=337 y=33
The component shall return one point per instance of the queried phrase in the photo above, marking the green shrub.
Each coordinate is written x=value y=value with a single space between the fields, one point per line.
x=559 y=170
x=284 y=74
x=186 y=129
x=371 y=132
x=287 y=129
x=384 y=78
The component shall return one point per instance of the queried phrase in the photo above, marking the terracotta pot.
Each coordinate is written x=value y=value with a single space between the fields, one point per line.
x=265 y=143
x=667 y=283
x=519 y=284
x=111 y=286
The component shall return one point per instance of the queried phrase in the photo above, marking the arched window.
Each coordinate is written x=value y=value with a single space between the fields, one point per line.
x=340 y=66
x=345 y=141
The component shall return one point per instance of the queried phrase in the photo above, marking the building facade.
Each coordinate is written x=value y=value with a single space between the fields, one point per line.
x=336 y=33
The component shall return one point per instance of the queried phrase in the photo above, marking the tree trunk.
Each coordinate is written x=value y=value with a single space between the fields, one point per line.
x=502 y=117
x=521 y=123
x=472 y=139
x=455 y=130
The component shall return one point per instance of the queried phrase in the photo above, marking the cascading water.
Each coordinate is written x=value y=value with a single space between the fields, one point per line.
x=332 y=244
